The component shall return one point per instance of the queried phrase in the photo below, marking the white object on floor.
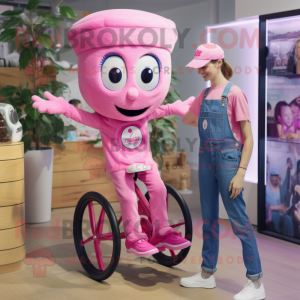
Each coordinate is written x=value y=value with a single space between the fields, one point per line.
x=249 y=292
x=185 y=192
x=197 y=281
x=137 y=167
x=38 y=185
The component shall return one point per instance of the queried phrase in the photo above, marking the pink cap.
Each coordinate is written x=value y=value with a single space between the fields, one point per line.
x=122 y=27
x=204 y=54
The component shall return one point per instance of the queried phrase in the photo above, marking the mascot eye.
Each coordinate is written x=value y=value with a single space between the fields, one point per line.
x=114 y=74
x=147 y=73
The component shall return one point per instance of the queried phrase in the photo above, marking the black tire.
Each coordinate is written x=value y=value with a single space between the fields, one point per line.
x=168 y=260
x=92 y=271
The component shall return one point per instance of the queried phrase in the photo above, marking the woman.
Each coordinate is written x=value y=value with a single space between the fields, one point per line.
x=297 y=53
x=225 y=149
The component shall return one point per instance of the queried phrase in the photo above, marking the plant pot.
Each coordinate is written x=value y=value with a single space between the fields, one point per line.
x=142 y=186
x=38 y=184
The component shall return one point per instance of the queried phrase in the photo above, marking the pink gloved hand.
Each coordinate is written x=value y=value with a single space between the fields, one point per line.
x=53 y=106
x=181 y=107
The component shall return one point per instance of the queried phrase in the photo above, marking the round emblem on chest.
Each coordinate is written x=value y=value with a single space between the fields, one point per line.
x=204 y=124
x=131 y=137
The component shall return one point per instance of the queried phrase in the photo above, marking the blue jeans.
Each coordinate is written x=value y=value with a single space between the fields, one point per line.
x=217 y=167
x=288 y=227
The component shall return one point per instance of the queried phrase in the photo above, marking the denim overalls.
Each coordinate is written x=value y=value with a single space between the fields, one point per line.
x=219 y=158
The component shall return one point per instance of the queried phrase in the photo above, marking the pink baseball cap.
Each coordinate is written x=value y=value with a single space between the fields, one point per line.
x=204 y=54
x=122 y=27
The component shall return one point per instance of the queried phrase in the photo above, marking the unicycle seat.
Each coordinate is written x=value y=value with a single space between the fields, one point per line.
x=137 y=167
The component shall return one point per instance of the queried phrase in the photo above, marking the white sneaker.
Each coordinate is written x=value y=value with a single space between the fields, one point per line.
x=249 y=292
x=198 y=281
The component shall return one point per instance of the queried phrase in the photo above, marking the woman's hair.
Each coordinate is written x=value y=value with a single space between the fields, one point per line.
x=294 y=102
x=296 y=44
x=74 y=102
x=225 y=68
x=277 y=112
x=298 y=167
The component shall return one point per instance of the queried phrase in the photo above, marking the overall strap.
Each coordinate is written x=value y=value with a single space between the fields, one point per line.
x=205 y=93
x=227 y=89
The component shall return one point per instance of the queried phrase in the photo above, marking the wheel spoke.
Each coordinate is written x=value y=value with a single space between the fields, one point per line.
x=172 y=253
x=177 y=225
x=100 y=221
x=92 y=217
x=99 y=254
x=87 y=240
x=167 y=201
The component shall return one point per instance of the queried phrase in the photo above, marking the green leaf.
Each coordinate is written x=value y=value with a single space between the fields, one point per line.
x=8 y=91
x=55 y=85
x=25 y=57
x=15 y=12
x=33 y=4
x=7 y=35
x=26 y=139
x=40 y=92
x=57 y=139
x=48 y=54
x=23 y=122
x=9 y=23
x=45 y=139
x=19 y=112
x=30 y=123
x=46 y=120
x=58 y=125
x=26 y=96
x=175 y=81
x=51 y=21
x=32 y=112
x=16 y=101
x=45 y=40
x=42 y=12
x=67 y=12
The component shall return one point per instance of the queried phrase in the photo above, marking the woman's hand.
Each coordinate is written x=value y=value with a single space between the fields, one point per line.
x=297 y=189
x=237 y=182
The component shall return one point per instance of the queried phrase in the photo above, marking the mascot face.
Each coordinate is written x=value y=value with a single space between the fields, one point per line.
x=124 y=83
x=124 y=61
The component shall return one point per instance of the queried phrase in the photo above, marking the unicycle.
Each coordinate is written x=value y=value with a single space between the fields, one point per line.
x=97 y=235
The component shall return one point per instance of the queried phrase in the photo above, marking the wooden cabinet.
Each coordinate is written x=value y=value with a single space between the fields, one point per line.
x=12 y=207
x=79 y=169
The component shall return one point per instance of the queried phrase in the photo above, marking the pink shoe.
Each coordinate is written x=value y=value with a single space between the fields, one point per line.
x=174 y=242
x=142 y=248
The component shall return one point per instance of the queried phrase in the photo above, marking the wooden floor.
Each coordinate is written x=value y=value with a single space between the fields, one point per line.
x=144 y=279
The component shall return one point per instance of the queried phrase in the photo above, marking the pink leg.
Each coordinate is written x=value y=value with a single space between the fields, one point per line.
x=158 y=203
x=124 y=185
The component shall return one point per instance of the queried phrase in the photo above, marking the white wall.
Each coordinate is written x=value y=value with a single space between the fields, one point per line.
x=247 y=8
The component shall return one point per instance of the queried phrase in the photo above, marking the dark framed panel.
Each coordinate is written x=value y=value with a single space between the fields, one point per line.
x=263 y=129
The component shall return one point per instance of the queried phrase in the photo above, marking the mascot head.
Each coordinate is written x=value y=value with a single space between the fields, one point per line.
x=124 y=61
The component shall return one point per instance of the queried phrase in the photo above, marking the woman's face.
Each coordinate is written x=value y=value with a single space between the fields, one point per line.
x=295 y=110
x=210 y=70
x=297 y=50
x=286 y=116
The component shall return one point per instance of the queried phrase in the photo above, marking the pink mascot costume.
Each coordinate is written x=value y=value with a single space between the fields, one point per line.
x=124 y=70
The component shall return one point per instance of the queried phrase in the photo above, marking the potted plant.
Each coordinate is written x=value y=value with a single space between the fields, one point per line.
x=24 y=29
x=163 y=131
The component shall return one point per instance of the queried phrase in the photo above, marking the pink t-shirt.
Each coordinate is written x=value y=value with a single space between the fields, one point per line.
x=125 y=143
x=237 y=108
